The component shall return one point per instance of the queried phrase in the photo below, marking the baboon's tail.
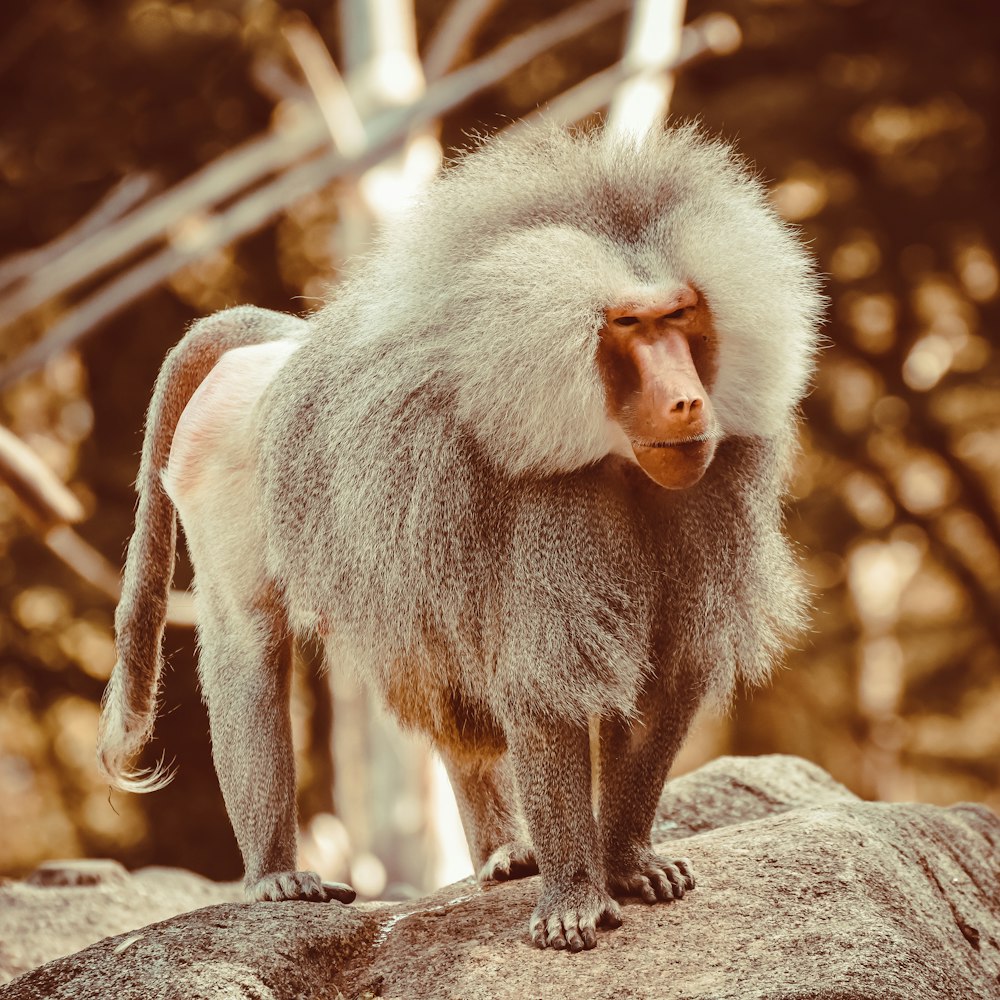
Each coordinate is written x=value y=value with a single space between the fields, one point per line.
x=129 y=705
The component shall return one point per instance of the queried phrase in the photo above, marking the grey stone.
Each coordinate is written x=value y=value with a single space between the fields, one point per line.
x=79 y=871
x=804 y=893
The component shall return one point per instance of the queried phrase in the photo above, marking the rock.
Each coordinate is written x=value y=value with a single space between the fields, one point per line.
x=80 y=871
x=804 y=892
x=64 y=906
x=733 y=790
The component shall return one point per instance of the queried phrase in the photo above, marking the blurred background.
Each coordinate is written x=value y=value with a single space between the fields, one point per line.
x=162 y=160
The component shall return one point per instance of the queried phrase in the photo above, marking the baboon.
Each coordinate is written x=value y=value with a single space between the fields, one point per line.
x=523 y=474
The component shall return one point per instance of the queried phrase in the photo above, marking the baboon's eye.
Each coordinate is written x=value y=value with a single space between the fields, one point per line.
x=677 y=313
x=626 y=321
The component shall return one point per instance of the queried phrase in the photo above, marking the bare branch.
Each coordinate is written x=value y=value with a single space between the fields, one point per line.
x=379 y=54
x=276 y=150
x=35 y=484
x=712 y=35
x=327 y=85
x=270 y=77
x=453 y=33
x=221 y=179
x=126 y=194
x=84 y=560
x=837 y=442
x=112 y=298
x=654 y=41
x=504 y=59
x=269 y=200
x=934 y=436
x=52 y=505
x=246 y=216
x=386 y=73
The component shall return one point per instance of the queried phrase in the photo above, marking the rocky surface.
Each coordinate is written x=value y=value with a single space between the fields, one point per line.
x=804 y=892
x=66 y=905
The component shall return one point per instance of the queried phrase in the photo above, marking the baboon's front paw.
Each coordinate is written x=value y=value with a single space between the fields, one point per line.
x=569 y=918
x=651 y=877
x=299 y=885
x=513 y=860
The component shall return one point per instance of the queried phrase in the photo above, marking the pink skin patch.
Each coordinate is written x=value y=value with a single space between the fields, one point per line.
x=213 y=429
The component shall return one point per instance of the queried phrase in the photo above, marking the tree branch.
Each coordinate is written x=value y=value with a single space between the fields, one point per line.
x=934 y=437
x=711 y=35
x=333 y=99
x=266 y=202
x=224 y=177
x=654 y=41
x=50 y=504
x=454 y=31
x=84 y=560
x=127 y=193
x=840 y=444
x=37 y=487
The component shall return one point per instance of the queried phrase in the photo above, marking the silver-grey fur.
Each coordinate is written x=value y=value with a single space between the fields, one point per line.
x=426 y=476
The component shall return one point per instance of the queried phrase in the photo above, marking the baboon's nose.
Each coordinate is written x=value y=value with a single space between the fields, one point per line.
x=683 y=409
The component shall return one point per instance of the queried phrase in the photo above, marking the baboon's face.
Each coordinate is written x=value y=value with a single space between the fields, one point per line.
x=657 y=357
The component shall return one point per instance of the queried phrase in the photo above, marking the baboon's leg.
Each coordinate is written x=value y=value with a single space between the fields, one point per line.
x=635 y=758
x=245 y=655
x=551 y=762
x=245 y=671
x=487 y=802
